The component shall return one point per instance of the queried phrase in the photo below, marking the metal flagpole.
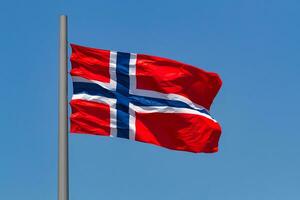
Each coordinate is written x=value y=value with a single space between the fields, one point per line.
x=63 y=173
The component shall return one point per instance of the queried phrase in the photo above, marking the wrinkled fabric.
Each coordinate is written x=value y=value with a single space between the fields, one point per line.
x=143 y=98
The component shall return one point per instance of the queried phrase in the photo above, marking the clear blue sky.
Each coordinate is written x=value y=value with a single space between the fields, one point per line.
x=254 y=46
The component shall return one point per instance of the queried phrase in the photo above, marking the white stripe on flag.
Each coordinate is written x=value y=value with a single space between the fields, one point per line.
x=166 y=109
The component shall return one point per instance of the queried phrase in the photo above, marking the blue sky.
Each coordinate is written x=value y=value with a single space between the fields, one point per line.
x=253 y=45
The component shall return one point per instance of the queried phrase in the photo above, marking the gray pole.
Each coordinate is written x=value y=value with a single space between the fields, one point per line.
x=63 y=173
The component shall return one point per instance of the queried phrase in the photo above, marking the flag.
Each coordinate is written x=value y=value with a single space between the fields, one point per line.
x=143 y=98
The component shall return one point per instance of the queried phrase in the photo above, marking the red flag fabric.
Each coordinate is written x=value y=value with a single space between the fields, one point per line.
x=143 y=98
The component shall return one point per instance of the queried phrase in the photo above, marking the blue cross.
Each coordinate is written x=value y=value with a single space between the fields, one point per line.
x=123 y=97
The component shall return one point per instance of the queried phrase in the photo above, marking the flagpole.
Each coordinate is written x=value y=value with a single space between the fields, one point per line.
x=63 y=174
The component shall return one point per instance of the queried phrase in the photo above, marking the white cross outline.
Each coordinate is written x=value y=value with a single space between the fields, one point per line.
x=134 y=91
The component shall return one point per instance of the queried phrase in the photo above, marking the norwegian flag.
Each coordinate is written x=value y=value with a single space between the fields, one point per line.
x=144 y=98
